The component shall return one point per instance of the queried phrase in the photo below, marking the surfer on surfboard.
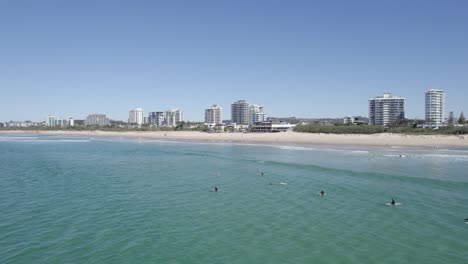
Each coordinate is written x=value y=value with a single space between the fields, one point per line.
x=393 y=203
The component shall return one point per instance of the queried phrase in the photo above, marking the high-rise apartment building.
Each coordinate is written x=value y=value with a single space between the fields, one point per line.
x=213 y=115
x=240 y=112
x=256 y=114
x=51 y=121
x=97 y=120
x=156 y=119
x=435 y=107
x=135 y=116
x=386 y=109
x=173 y=117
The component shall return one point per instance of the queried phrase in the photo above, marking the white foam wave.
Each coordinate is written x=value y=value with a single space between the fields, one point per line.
x=459 y=156
x=394 y=155
x=42 y=140
x=17 y=138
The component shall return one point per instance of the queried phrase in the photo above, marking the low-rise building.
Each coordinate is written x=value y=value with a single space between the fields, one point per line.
x=270 y=126
x=233 y=127
x=353 y=120
x=22 y=124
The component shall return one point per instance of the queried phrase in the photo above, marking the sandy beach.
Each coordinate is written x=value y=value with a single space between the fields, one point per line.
x=287 y=138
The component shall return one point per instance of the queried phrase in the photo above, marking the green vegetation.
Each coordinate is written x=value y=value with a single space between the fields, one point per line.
x=368 y=129
x=461 y=119
x=182 y=126
x=401 y=127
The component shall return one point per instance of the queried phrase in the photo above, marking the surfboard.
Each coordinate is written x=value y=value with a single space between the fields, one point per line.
x=390 y=204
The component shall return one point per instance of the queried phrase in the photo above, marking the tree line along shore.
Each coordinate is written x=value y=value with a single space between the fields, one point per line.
x=304 y=128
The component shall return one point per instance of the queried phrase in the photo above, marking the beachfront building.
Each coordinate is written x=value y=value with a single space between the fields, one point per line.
x=51 y=121
x=435 y=108
x=173 y=117
x=96 y=120
x=270 y=126
x=156 y=119
x=354 y=120
x=233 y=127
x=240 y=112
x=213 y=115
x=256 y=114
x=135 y=116
x=62 y=122
x=386 y=109
x=21 y=124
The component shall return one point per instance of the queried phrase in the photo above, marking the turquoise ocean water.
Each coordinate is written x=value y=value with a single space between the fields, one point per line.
x=84 y=200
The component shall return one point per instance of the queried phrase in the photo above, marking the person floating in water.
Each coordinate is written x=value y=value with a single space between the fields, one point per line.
x=322 y=193
x=261 y=173
x=393 y=202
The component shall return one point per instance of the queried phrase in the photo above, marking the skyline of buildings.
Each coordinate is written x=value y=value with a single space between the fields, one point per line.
x=382 y=110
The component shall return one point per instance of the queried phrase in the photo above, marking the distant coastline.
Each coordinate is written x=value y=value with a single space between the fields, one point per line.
x=289 y=138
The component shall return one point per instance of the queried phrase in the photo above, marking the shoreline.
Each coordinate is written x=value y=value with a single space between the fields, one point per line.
x=281 y=138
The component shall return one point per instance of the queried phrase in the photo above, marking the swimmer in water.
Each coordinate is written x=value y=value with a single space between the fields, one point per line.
x=322 y=193
x=393 y=202
x=261 y=173
x=215 y=188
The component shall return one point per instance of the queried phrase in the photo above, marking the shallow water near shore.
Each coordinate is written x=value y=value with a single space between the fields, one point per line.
x=97 y=200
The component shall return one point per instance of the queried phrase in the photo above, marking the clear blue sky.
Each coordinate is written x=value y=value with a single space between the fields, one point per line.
x=296 y=58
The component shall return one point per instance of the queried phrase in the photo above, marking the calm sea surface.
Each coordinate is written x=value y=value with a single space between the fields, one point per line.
x=83 y=200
